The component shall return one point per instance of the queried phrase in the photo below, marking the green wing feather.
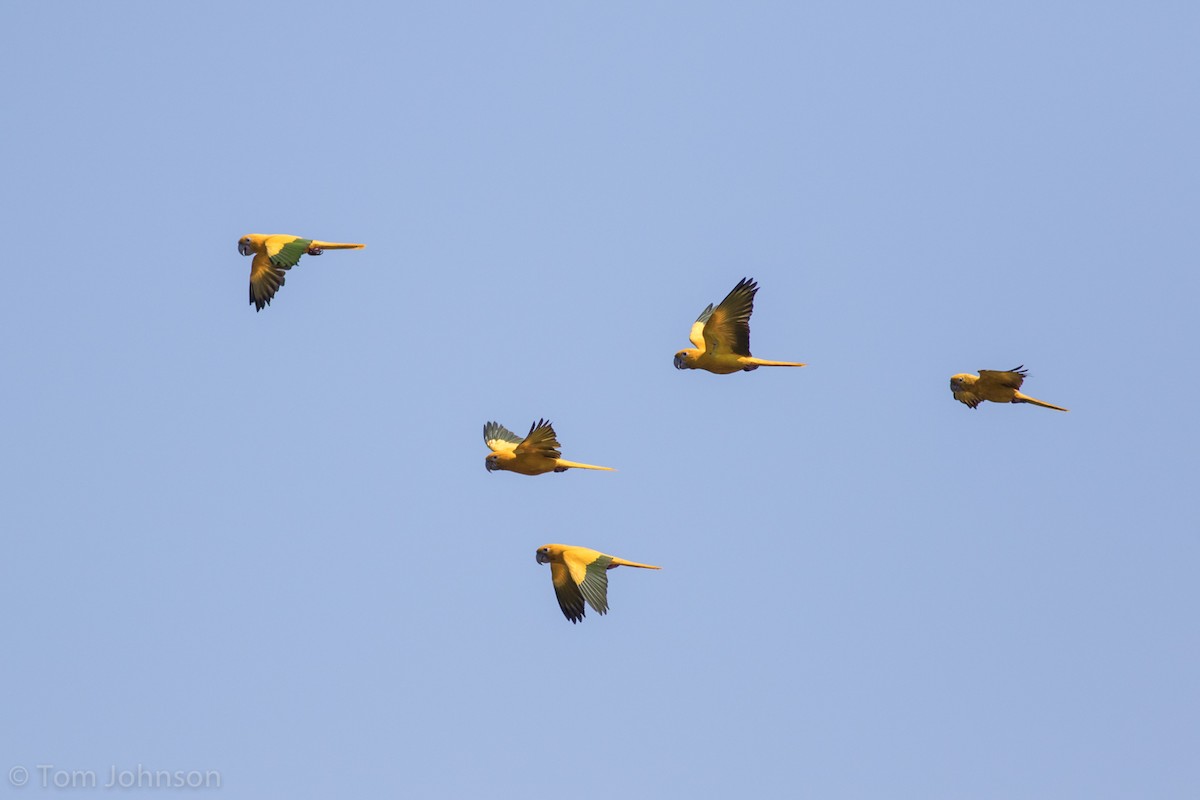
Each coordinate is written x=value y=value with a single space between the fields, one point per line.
x=495 y=432
x=594 y=587
x=290 y=253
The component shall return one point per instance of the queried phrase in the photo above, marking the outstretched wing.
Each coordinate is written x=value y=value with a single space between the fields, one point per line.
x=285 y=251
x=595 y=585
x=1009 y=379
x=697 y=332
x=588 y=571
x=268 y=269
x=570 y=599
x=727 y=329
x=265 y=281
x=541 y=441
x=500 y=438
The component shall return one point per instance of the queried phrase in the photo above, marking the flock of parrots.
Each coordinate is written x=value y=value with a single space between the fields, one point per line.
x=721 y=344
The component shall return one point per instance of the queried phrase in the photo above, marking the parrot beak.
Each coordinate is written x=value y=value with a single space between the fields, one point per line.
x=542 y=558
x=490 y=465
x=678 y=361
x=244 y=249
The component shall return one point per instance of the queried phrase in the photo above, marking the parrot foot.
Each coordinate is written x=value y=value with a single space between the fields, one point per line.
x=560 y=469
x=315 y=251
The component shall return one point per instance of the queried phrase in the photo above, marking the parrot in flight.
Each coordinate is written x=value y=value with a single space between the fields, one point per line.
x=994 y=385
x=274 y=254
x=536 y=454
x=721 y=336
x=581 y=574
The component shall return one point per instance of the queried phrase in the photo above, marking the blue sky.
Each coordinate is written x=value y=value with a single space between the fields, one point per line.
x=266 y=545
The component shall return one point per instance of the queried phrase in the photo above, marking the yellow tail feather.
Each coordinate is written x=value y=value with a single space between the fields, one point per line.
x=336 y=246
x=761 y=362
x=576 y=465
x=1024 y=398
x=620 y=562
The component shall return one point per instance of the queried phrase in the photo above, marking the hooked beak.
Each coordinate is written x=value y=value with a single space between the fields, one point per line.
x=244 y=249
x=491 y=465
x=542 y=558
x=679 y=364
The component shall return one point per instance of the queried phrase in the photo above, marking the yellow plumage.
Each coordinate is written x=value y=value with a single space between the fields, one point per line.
x=580 y=575
x=536 y=454
x=274 y=254
x=995 y=386
x=721 y=336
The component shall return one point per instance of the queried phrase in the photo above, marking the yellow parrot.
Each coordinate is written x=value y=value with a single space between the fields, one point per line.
x=274 y=254
x=581 y=574
x=536 y=454
x=994 y=385
x=722 y=336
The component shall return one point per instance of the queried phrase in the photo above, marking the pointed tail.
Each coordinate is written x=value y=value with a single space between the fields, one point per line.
x=336 y=245
x=562 y=462
x=762 y=362
x=620 y=562
x=1024 y=398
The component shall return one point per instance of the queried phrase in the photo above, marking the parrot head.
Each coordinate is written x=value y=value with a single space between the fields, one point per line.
x=246 y=246
x=958 y=382
x=684 y=359
x=543 y=554
x=492 y=462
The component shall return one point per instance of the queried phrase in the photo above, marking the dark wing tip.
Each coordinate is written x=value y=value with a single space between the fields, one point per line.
x=494 y=430
x=270 y=282
x=258 y=302
x=744 y=292
x=572 y=611
x=745 y=286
